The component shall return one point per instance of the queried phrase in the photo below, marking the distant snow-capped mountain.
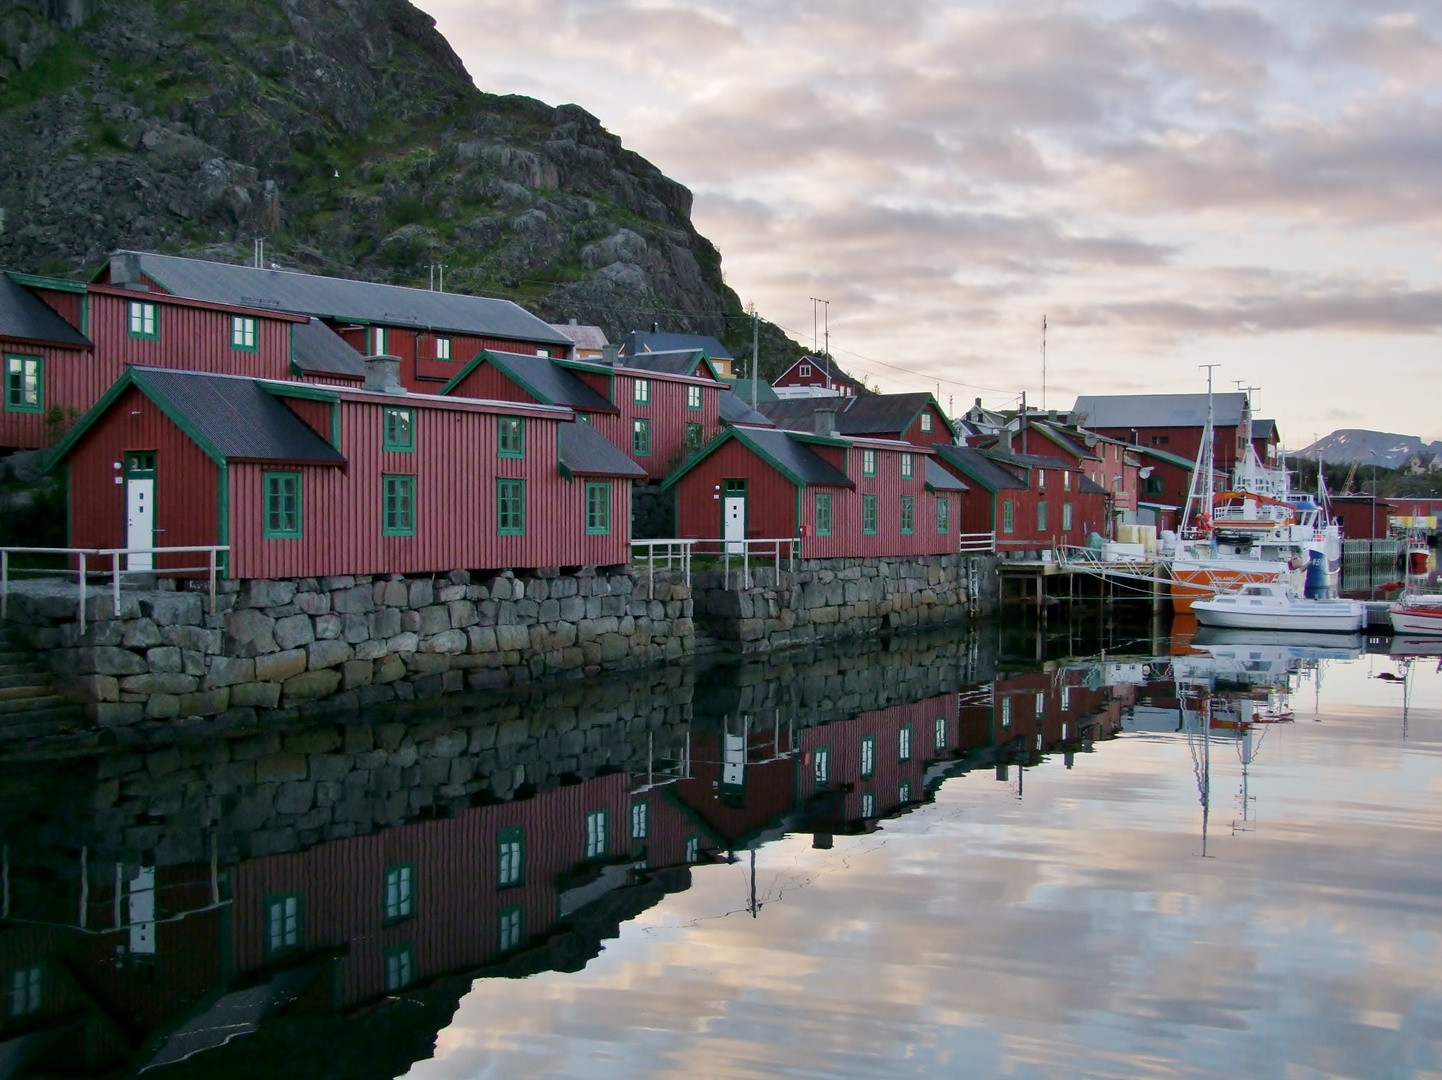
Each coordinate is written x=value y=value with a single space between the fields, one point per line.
x=1381 y=448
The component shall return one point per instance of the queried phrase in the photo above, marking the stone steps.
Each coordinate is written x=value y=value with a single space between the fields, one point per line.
x=29 y=705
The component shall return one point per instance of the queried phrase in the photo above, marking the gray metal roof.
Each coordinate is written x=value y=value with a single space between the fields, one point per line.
x=585 y=452
x=585 y=337
x=979 y=467
x=868 y=414
x=236 y=417
x=735 y=410
x=321 y=350
x=1263 y=429
x=1088 y=486
x=552 y=383
x=796 y=457
x=640 y=341
x=938 y=479
x=1157 y=410
x=25 y=316
x=763 y=390
x=1029 y=461
x=343 y=299
x=674 y=362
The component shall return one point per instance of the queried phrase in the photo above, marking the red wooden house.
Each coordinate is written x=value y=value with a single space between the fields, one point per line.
x=913 y=418
x=819 y=375
x=302 y=481
x=844 y=497
x=41 y=353
x=1030 y=502
x=1363 y=517
x=1175 y=423
x=655 y=407
x=640 y=342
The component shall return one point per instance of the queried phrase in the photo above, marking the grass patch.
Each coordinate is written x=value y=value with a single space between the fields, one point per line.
x=56 y=70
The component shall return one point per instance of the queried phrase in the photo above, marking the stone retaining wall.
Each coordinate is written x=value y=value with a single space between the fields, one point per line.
x=275 y=646
x=823 y=599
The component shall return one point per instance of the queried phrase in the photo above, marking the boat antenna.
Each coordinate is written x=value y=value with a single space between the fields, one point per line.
x=1209 y=444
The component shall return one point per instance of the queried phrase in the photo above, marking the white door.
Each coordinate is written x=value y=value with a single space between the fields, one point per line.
x=733 y=517
x=140 y=521
x=142 y=911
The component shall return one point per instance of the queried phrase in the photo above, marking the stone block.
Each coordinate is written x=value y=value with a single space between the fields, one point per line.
x=370 y=650
x=549 y=611
x=434 y=619
x=357 y=600
x=359 y=737
x=356 y=673
x=329 y=627
x=450 y=592
x=159 y=684
x=109 y=660
x=449 y=641
x=390 y=593
x=249 y=632
x=573 y=609
x=321 y=739
x=339 y=581
x=512 y=638
x=327 y=654
x=388 y=669
x=527 y=611
x=294 y=796
x=355 y=628
x=447 y=745
x=227 y=671
x=256 y=695
x=294 y=631
x=140 y=634
x=310 y=686
x=196 y=638
x=174 y=609
x=277 y=667
x=165 y=659
x=614 y=647
x=481 y=639
x=313 y=603
x=463 y=614
x=386 y=623
x=205 y=702
x=162 y=707
x=114 y=714
x=404 y=643
x=420 y=665
x=95 y=688
x=422 y=593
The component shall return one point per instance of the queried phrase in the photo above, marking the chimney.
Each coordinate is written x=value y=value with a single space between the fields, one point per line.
x=610 y=354
x=383 y=374
x=655 y=328
x=125 y=271
x=825 y=420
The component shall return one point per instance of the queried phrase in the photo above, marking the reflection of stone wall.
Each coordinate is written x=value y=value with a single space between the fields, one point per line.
x=824 y=599
x=274 y=646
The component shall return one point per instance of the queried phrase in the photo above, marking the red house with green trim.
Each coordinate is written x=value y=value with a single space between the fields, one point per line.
x=1032 y=503
x=913 y=418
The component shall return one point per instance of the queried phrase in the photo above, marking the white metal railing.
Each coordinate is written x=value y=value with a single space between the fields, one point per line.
x=778 y=551
x=115 y=571
x=977 y=543
x=677 y=553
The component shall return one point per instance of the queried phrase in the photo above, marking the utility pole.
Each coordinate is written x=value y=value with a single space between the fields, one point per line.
x=826 y=317
x=1210 y=457
x=755 y=352
x=1043 y=363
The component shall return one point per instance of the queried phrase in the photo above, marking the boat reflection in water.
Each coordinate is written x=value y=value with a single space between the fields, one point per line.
x=318 y=901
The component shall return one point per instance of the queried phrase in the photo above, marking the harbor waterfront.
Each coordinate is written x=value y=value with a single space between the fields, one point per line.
x=1073 y=848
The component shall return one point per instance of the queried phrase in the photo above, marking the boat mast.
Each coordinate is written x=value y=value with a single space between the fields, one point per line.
x=1209 y=444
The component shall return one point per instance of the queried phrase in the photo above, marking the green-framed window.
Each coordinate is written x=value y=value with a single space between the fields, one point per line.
x=400 y=964
x=282 y=506
x=1155 y=485
x=1041 y=517
x=868 y=756
x=242 y=333
x=926 y=420
x=641 y=391
x=598 y=508
x=903 y=743
x=821 y=765
x=378 y=340
x=943 y=513
x=1008 y=515
x=143 y=320
x=27 y=991
x=596 y=834
x=400 y=430
x=908 y=466
x=868 y=462
x=510 y=507
x=640 y=820
x=693 y=849
x=1041 y=479
x=284 y=922
x=908 y=514
x=1066 y=518
x=508 y=931
x=868 y=514
x=868 y=805
x=641 y=437
x=695 y=435
x=1006 y=712
x=398 y=505
x=443 y=348
x=941 y=733
x=693 y=397
x=823 y=514
x=24 y=384
x=903 y=791
x=511 y=437
x=510 y=857
x=400 y=896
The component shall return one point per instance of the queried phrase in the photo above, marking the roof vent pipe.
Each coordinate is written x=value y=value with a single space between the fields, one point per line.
x=825 y=420
x=610 y=354
x=383 y=374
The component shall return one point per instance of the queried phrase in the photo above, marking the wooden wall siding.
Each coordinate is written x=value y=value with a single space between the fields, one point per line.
x=940 y=432
x=456 y=469
x=186 y=482
x=771 y=497
x=848 y=540
x=66 y=304
x=770 y=790
x=316 y=414
x=669 y=416
x=670 y=824
x=191 y=339
x=487 y=382
x=70 y=376
x=457 y=899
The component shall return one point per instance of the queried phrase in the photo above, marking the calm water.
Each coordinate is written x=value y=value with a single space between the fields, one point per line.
x=942 y=858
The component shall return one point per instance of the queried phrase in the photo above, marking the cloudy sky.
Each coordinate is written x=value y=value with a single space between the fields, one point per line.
x=1170 y=183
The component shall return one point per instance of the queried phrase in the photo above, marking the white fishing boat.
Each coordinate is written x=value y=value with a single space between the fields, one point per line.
x=1417 y=615
x=1272 y=606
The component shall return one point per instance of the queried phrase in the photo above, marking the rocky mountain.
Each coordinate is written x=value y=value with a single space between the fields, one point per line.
x=348 y=134
x=1383 y=449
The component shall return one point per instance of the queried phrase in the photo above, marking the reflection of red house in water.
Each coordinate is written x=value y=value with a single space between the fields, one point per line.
x=1026 y=715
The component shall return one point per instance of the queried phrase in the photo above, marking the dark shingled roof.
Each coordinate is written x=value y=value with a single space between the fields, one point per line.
x=235 y=417
x=321 y=350
x=736 y=411
x=794 y=457
x=979 y=467
x=584 y=452
x=869 y=414
x=938 y=479
x=548 y=380
x=340 y=298
x=1029 y=461
x=675 y=362
x=643 y=341
x=25 y=316
x=1089 y=486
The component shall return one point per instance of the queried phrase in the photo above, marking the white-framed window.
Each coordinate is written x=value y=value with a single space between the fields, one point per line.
x=1065 y=516
x=868 y=805
x=639 y=812
x=903 y=743
x=1041 y=479
x=1040 y=703
x=27 y=991
x=400 y=967
x=693 y=849
x=868 y=756
x=1066 y=699
x=510 y=857
x=242 y=332
x=941 y=733
x=443 y=348
x=282 y=922
x=903 y=791
x=509 y=929
x=544 y=352
x=641 y=392
x=1066 y=481
x=400 y=892
x=908 y=466
x=1006 y=712
x=378 y=340
x=823 y=766
x=926 y=421
x=805 y=371
x=596 y=834
x=1063 y=733
x=142 y=319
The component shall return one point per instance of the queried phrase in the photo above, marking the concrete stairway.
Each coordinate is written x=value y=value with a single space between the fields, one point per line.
x=29 y=703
